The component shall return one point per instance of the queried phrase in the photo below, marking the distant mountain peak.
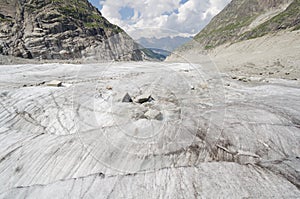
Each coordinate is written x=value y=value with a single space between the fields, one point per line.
x=165 y=43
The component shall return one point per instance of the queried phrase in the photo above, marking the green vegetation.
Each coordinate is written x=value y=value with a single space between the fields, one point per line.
x=79 y=12
x=222 y=31
x=289 y=18
x=230 y=24
x=296 y=27
x=232 y=28
x=208 y=47
x=31 y=7
x=78 y=9
x=83 y=12
x=4 y=19
x=92 y=25
x=36 y=5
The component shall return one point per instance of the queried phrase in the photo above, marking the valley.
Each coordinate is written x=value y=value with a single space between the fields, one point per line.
x=81 y=139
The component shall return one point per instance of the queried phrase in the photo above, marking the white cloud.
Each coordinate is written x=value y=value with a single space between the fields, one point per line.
x=162 y=18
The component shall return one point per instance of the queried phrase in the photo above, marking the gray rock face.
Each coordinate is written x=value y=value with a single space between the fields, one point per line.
x=55 y=83
x=62 y=30
x=237 y=141
x=144 y=98
x=153 y=115
x=127 y=98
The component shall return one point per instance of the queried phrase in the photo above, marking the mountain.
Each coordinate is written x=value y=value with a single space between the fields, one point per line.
x=243 y=20
x=163 y=54
x=165 y=43
x=250 y=38
x=163 y=47
x=57 y=29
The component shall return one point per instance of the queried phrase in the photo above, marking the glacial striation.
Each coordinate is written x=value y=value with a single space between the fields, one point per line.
x=225 y=138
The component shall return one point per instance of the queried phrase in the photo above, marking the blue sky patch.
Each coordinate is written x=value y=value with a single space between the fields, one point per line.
x=171 y=14
x=167 y=13
x=126 y=13
x=183 y=1
x=96 y=3
x=176 y=11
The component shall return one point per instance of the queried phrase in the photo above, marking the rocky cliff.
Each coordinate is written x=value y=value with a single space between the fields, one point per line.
x=57 y=29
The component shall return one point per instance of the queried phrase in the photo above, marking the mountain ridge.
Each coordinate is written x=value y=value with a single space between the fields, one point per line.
x=242 y=20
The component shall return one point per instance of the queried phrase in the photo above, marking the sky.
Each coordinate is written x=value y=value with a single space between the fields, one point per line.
x=160 y=18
